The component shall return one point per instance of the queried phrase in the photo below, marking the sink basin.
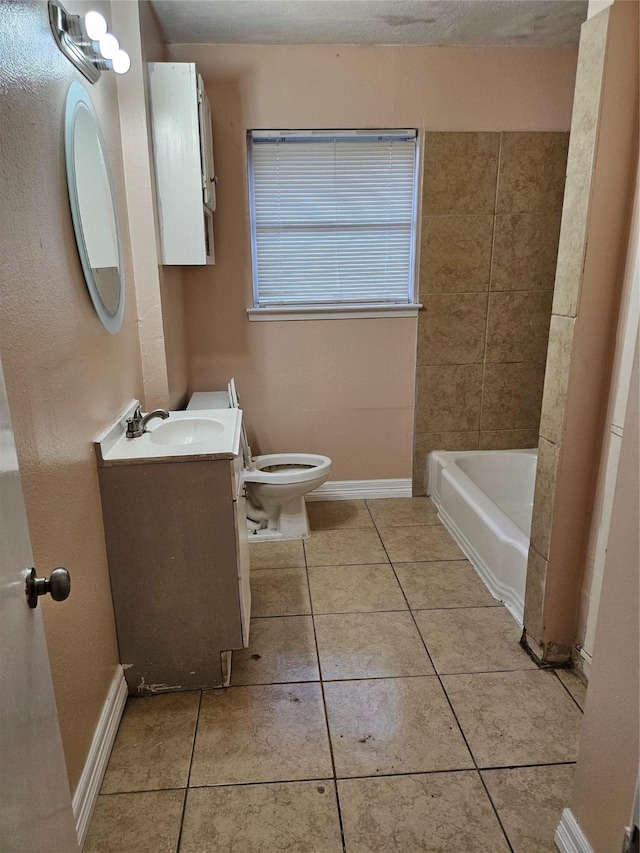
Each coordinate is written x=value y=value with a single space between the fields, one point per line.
x=191 y=431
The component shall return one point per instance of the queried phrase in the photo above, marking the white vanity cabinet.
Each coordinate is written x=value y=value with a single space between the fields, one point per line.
x=176 y=538
x=183 y=155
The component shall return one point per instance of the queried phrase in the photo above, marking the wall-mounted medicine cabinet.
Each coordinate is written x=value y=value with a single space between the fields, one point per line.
x=183 y=154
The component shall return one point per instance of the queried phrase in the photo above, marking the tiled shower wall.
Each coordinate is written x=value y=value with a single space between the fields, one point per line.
x=490 y=225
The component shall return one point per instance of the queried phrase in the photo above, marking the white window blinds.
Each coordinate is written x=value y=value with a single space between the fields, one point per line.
x=332 y=217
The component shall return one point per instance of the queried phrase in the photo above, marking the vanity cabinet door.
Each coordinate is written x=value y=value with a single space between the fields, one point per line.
x=244 y=585
x=171 y=533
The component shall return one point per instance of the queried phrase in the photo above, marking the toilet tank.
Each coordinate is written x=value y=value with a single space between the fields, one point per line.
x=209 y=400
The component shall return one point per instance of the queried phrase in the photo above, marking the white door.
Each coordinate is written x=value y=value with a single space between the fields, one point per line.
x=35 y=804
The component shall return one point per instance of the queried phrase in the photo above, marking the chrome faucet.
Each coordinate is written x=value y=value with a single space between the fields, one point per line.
x=137 y=425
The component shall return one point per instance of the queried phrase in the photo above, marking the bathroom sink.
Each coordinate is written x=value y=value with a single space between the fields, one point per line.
x=192 y=431
x=210 y=433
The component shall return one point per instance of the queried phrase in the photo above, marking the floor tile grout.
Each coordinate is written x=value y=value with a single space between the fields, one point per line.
x=326 y=714
x=193 y=749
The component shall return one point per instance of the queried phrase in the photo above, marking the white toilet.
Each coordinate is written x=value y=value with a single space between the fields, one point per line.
x=276 y=483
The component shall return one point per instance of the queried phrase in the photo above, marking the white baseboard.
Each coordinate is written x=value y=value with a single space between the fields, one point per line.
x=351 y=490
x=86 y=794
x=569 y=837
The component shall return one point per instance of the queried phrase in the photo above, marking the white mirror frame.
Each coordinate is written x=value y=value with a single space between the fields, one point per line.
x=78 y=99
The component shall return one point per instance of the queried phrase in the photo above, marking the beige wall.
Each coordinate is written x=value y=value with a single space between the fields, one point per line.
x=608 y=760
x=66 y=377
x=171 y=304
x=343 y=387
x=601 y=165
x=490 y=224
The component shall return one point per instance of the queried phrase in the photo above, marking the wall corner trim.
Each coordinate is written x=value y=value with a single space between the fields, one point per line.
x=351 y=490
x=86 y=793
x=569 y=837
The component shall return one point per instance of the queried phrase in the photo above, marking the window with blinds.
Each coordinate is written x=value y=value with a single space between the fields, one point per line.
x=333 y=217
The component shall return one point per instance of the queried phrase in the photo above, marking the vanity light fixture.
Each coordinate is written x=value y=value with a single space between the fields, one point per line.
x=86 y=42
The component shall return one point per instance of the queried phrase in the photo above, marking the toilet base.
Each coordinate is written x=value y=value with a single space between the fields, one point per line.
x=291 y=522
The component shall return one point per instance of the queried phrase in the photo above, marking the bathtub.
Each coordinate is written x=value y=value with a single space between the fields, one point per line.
x=485 y=499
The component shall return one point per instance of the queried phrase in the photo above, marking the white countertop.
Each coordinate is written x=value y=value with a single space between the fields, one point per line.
x=115 y=446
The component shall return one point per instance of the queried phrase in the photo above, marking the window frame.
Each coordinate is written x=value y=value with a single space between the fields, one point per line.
x=362 y=310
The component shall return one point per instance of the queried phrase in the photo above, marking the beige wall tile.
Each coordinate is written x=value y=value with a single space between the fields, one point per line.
x=451 y=328
x=455 y=254
x=545 y=489
x=556 y=381
x=508 y=439
x=572 y=246
x=586 y=99
x=425 y=442
x=525 y=250
x=512 y=395
x=532 y=172
x=534 y=595
x=448 y=398
x=460 y=172
x=518 y=326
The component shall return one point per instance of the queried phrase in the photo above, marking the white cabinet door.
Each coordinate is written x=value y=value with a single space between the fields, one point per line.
x=35 y=803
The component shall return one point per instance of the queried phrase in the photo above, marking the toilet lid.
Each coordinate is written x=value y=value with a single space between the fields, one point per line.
x=234 y=403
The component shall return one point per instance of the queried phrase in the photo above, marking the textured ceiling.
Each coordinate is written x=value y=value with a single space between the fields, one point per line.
x=530 y=23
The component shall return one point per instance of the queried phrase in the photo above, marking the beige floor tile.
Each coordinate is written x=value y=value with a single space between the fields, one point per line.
x=287 y=554
x=403 y=512
x=426 y=542
x=281 y=593
x=267 y=733
x=446 y=583
x=344 y=548
x=146 y=822
x=529 y=802
x=393 y=725
x=473 y=639
x=282 y=648
x=154 y=743
x=355 y=589
x=293 y=817
x=574 y=685
x=512 y=718
x=435 y=812
x=331 y=515
x=370 y=645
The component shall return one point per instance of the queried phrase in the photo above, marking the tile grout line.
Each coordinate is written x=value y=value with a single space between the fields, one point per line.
x=555 y=672
x=186 y=789
x=455 y=716
x=324 y=706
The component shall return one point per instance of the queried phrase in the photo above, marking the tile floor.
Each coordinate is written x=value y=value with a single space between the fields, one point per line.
x=384 y=705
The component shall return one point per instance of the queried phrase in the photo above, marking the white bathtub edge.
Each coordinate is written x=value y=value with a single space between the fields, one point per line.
x=513 y=603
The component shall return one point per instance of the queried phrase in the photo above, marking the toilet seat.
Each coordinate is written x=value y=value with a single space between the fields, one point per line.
x=296 y=468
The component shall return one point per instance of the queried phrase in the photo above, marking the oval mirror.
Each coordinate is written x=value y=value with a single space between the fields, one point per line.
x=93 y=208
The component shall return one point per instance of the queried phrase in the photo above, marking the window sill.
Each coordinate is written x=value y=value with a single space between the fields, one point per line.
x=336 y=312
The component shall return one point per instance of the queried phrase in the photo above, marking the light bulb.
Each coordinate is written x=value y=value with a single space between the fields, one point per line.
x=121 y=62
x=109 y=46
x=95 y=25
